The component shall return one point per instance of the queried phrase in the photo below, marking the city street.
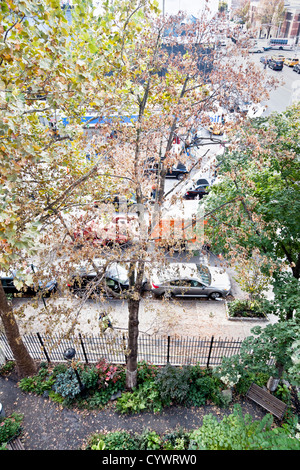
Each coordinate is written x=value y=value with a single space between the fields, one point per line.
x=281 y=97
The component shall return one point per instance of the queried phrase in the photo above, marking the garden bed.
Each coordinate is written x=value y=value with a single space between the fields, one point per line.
x=244 y=310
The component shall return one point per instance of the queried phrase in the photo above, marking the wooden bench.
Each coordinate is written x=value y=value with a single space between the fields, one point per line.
x=15 y=444
x=267 y=400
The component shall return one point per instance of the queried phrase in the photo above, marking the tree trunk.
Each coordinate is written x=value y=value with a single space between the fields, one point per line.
x=136 y=275
x=24 y=363
x=133 y=332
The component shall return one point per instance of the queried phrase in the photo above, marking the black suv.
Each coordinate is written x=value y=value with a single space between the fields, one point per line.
x=275 y=64
x=178 y=171
x=198 y=190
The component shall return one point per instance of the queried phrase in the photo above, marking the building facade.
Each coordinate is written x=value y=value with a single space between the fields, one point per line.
x=287 y=27
x=290 y=27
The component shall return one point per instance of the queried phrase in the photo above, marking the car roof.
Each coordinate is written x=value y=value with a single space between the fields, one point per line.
x=177 y=270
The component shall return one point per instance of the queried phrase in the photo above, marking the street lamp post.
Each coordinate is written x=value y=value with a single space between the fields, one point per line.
x=69 y=355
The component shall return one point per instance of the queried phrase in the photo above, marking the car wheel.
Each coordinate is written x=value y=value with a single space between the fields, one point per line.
x=79 y=293
x=215 y=295
x=168 y=296
x=180 y=176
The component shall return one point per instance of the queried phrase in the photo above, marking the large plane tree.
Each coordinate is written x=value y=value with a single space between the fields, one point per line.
x=125 y=61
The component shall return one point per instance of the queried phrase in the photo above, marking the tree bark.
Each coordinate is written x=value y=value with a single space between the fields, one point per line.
x=133 y=333
x=136 y=274
x=25 y=364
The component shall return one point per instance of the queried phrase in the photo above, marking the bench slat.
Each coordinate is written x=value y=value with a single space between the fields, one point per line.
x=15 y=444
x=266 y=400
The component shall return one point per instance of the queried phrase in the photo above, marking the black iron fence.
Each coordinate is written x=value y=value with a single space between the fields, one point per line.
x=112 y=346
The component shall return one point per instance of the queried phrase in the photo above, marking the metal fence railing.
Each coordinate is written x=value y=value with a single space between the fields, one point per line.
x=113 y=347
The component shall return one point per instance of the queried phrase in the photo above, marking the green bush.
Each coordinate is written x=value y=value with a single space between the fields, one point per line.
x=38 y=383
x=66 y=384
x=59 y=369
x=176 y=440
x=238 y=432
x=246 y=308
x=10 y=427
x=233 y=432
x=7 y=367
x=204 y=386
x=89 y=377
x=146 y=372
x=146 y=397
x=150 y=440
x=173 y=384
x=246 y=380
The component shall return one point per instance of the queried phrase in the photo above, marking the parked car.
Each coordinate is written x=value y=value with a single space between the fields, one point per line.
x=296 y=68
x=191 y=280
x=116 y=278
x=256 y=49
x=275 y=64
x=278 y=57
x=290 y=62
x=116 y=200
x=42 y=286
x=176 y=171
x=197 y=190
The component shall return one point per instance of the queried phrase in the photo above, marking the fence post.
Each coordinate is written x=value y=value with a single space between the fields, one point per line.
x=168 y=350
x=43 y=346
x=209 y=353
x=124 y=344
x=82 y=345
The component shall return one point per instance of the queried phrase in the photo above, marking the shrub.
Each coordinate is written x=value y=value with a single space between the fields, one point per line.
x=7 y=367
x=176 y=440
x=173 y=384
x=59 y=369
x=108 y=373
x=38 y=383
x=10 y=427
x=66 y=384
x=150 y=440
x=201 y=390
x=145 y=372
x=246 y=380
x=89 y=377
x=238 y=432
x=246 y=308
x=145 y=397
x=117 y=440
x=203 y=386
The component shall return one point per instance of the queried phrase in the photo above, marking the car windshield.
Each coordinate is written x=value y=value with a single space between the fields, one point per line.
x=204 y=274
x=118 y=273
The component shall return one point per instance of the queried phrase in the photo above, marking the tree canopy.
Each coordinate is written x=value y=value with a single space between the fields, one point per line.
x=163 y=75
x=258 y=177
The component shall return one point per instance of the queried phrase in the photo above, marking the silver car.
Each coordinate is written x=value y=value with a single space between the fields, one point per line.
x=191 y=280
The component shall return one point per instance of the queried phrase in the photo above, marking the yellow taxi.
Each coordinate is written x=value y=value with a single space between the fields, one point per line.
x=216 y=129
x=278 y=57
x=291 y=62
